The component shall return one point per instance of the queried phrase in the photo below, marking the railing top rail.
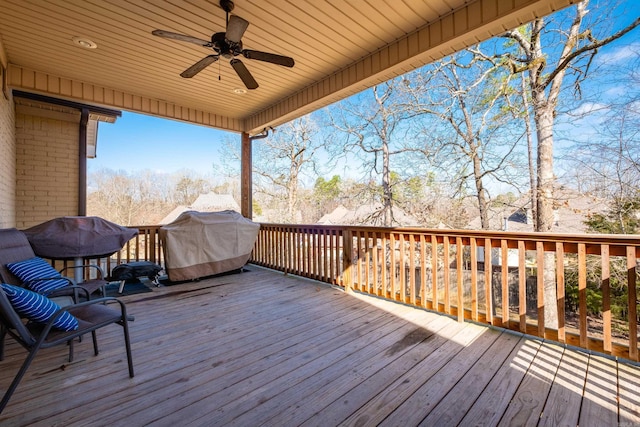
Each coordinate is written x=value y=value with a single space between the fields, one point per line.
x=610 y=239
x=144 y=226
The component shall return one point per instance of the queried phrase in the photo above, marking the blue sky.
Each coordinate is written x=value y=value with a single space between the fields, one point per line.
x=136 y=142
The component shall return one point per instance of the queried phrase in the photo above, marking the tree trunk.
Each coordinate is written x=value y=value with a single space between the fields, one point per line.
x=480 y=193
x=546 y=178
x=532 y=165
x=387 y=195
x=292 y=189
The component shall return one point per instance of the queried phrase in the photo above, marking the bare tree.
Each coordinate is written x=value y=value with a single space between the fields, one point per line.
x=609 y=167
x=143 y=197
x=374 y=128
x=545 y=83
x=188 y=189
x=125 y=199
x=473 y=141
x=282 y=160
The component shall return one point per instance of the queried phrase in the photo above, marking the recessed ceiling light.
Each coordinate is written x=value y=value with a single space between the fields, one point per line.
x=84 y=42
x=239 y=91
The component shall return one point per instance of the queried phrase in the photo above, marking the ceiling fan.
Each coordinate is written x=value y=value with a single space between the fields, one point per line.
x=228 y=45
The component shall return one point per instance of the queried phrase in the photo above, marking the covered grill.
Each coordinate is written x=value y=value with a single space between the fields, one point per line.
x=200 y=244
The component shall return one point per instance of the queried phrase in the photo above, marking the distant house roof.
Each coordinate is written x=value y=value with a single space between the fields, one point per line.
x=370 y=214
x=571 y=210
x=210 y=202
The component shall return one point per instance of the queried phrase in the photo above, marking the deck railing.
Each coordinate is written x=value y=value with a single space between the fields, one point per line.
x=591 y=280
x=145 y=246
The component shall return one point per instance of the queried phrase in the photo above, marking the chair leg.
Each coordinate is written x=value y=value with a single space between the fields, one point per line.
x=3 y=334
x=70 y=351
x=95 y=342
x=127 y=343
x=18 y=378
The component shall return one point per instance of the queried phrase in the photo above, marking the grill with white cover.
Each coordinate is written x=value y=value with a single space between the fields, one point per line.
x=200 y=244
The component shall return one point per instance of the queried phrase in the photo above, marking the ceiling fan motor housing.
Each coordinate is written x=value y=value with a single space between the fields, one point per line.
x=225 y=48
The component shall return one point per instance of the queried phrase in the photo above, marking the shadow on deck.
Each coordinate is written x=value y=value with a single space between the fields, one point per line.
x=262 y=348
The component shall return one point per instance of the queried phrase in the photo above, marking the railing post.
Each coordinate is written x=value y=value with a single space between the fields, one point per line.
x=347 y=261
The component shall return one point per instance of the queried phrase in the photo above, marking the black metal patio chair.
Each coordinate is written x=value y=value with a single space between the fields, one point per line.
x=91 y=315
x=15 y=247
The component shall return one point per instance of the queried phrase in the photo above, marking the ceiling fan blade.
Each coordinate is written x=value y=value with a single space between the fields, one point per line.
x=269 y=57
x=244 y=74
x=181 y=37
x=199 y=66
x=236 y=28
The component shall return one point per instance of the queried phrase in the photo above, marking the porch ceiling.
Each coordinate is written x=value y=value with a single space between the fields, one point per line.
x=340 y=47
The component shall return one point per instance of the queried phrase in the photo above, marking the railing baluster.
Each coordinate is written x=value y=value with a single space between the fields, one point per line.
x=459 y=280
x=367 y=261
x=423 y=271
x=347 y=251
x=633 y=303
x=412 y=269
x=473 y=247
x=540 y=287
x=560 y=291
x=606 y=297
x=376 y=264
x=504 y=249
x=434 y=271
x=333 y=255
x=522 y=287
x=402 y=279
x=488 y=285
x=447 y=275
x=318 y=253
x=582 y=293
x=392 y=266
x=325 y=255
x=359 y=270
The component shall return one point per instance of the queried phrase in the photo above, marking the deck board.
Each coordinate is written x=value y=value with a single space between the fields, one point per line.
x=629 y=389
x=563 y=403
x=488 y=408
x=423 y=387
x=599 y=406
x=471 y=385
x=529 y=400
x=262 y=348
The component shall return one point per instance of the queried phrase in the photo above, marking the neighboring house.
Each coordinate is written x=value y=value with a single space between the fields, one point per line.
x=571 y=210
x=210 y=202
x=370 y=214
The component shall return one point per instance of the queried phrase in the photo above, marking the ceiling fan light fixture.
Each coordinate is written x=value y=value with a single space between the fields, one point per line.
x=239 y=91
x=84 y=42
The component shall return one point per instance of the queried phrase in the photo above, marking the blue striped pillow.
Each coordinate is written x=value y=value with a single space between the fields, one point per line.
x=37 y=268
x=38 y=308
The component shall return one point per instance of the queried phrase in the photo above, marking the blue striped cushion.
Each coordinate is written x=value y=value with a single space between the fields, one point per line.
x=38 y=308
x=37 y=268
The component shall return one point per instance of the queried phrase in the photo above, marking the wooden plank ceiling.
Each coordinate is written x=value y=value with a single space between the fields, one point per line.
x=340 y=47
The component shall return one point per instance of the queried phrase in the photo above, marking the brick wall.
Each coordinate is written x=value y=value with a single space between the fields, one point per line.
x=46 y=168
x=7 y=162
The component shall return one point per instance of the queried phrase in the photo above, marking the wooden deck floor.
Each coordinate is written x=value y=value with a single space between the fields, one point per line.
x=261 y=348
